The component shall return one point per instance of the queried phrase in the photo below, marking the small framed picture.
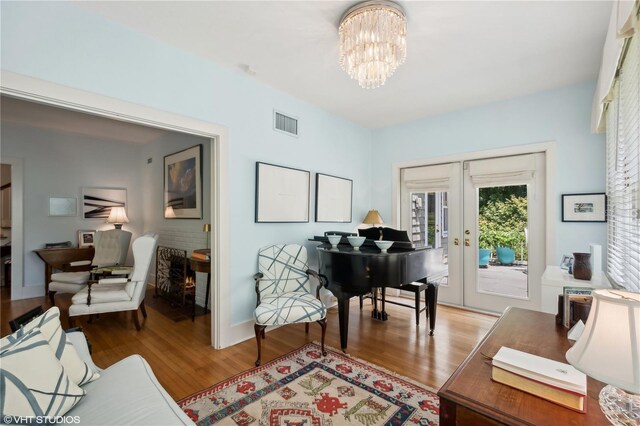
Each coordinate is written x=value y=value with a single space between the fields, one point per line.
x=85 y=238
x=570 y=294
x=584 y=207
x=566 y=261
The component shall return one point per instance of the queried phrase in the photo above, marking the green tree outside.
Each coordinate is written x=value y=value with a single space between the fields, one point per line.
x=503 y=218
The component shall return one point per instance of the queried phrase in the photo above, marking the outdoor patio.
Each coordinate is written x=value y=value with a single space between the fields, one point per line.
x=503 y=280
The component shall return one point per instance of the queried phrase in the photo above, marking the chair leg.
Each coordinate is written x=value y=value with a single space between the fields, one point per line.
x=361 y=301
x=259 y=329
x=52 y=298
x=323 y=324
x=72 y=322
x=306 y=328
x=134 y=317
x=143 y=310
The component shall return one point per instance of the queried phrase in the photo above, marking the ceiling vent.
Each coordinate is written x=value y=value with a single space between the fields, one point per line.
x=285 y=123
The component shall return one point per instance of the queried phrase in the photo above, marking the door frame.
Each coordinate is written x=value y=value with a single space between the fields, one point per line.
x=551 y=199
x=45 y=92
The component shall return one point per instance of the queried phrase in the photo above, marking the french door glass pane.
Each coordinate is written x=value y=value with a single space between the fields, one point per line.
x=429 y=224
x=502 y=241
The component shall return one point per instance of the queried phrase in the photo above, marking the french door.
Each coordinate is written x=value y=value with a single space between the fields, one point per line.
x=486 y=221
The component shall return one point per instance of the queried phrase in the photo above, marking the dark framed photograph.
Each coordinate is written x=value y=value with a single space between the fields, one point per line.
x=282 y=194
x=85 y=238
x=333 y=198
x=566 y=261
x=584 y=207
x=183 y=184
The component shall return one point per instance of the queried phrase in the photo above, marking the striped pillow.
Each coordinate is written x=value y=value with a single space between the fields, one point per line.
x=51 y=329
x=32 y=380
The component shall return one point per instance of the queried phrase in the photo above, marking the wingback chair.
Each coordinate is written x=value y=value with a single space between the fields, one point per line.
x=284 y=293
x=111 y=249
x=119 y=294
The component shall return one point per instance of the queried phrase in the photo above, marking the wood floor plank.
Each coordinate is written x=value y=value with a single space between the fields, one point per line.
x=184 y=362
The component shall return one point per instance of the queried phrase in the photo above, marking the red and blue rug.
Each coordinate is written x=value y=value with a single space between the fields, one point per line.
x=305 y=388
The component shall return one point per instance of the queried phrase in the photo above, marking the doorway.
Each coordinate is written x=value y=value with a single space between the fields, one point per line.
x=488 y=219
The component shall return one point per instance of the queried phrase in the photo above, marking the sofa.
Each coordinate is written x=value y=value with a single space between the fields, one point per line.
x=48 y=375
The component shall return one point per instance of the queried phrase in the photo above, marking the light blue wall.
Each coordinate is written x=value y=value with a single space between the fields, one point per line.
x=64 y=44
x=561 y=115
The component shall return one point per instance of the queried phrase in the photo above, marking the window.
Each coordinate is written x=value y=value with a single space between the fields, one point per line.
x=623 y=172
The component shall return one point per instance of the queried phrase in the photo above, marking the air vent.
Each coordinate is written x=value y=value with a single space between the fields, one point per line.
x=286 y=124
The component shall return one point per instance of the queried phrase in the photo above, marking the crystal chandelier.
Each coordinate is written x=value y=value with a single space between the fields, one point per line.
x=372 y=41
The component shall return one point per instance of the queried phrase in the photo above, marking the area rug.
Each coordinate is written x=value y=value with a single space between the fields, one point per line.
x=305 y=388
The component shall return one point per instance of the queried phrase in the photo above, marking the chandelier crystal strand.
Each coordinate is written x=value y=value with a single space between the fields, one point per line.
x=373 y=42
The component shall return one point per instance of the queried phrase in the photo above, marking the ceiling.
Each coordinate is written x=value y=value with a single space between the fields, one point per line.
x=459 y=53
x=72 y=122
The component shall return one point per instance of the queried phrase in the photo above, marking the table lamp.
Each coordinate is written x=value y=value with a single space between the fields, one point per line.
x=609 y=351
x=373 y=218
x=207 y=229
x=169 y=213
x=117 y=216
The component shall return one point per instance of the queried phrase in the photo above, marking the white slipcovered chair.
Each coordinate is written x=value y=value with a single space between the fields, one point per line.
x=119 y=294
x=111 y=249
x=284 y=291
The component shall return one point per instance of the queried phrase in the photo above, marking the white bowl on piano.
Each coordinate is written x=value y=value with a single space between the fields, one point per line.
x=334 y=240
x=383 y=245
x=356 y=242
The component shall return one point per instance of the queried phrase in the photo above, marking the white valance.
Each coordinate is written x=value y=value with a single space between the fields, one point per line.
x=505 y=171
x=623 y=24
x=428 y=179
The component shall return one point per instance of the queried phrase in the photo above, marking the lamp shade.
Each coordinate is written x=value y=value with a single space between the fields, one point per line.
x=609 y=347
x=169 y=213
x=118 y=215
x=373 y=218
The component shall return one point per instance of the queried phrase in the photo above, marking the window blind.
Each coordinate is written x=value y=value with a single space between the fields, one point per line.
x=623 y=173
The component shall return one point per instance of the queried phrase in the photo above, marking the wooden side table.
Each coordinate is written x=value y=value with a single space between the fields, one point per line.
x=470 y=397
x=59 y=258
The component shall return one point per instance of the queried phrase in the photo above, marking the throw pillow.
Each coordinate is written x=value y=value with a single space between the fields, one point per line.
x=32 y=380
x=51 y=329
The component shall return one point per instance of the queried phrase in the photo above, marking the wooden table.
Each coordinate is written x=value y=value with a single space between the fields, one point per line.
x=203 y=266
x=470 y=397
x=59 y=258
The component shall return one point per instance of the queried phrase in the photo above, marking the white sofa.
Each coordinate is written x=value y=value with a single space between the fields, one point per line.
x=127 y=393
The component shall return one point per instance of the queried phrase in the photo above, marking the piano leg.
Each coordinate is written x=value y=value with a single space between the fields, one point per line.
x=343 y=320
x=432 y=301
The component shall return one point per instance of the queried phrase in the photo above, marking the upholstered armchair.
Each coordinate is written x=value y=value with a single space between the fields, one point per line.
x=284 y=293
x=119 y=294
x=111 y=248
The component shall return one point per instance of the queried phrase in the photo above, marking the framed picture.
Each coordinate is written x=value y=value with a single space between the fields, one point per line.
x=183 y=184
x=566 y=261
x=333 y=198
x=85 y=238
x=63 y=206
x=282 y=194
x=97 y=202
x=570 y=294
x=584 y=207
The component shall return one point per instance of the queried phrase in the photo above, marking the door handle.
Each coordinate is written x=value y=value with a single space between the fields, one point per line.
x=456 y=242
x=467 y=232
x=467 y=243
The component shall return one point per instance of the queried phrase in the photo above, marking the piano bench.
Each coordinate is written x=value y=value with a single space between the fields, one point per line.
x=414 y=287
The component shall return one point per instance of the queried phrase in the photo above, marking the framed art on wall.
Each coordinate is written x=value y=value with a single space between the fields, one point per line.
x=282 y=194
x=333 y=198
x=183 y=184
x=584 y=207
x=97 y=202
x=63 y=206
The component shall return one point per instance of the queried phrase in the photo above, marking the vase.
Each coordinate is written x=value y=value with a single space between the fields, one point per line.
x=582 y=266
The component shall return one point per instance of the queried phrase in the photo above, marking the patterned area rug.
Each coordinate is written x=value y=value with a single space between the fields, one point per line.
x=305 y=388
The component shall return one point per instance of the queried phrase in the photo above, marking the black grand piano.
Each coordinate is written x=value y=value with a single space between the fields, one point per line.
x=351 y=272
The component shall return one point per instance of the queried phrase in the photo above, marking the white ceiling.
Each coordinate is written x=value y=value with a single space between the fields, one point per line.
x=460 y=53
x=65 y=121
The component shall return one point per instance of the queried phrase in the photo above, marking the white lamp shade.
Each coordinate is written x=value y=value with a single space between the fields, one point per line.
x=118 y=215
x=169 y=213
x=609 y=347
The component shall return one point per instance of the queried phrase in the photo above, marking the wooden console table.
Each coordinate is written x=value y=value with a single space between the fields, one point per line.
x=59 y=258
x=203 y=266
x=470 y=397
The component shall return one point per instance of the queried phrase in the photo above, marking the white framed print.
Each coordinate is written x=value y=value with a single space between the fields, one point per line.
x=333 y=198
x=584 y=207
x=282 y=194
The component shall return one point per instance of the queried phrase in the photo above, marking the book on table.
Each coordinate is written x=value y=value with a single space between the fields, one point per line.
x=552 y=380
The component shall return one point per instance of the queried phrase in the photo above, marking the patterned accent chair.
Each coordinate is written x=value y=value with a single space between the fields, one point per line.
x=119 y=294
x=284 y=293
x=111 y=249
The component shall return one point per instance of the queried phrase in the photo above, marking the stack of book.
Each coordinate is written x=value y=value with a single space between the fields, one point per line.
x=552 y=380
x=200 y=256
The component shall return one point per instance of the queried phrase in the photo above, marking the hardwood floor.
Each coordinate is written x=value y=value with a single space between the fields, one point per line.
x=184 y=363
